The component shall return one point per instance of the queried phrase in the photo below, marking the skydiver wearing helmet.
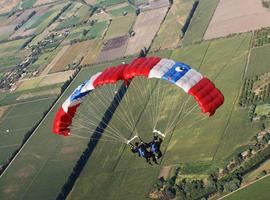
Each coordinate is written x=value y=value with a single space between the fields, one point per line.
x=141 y=149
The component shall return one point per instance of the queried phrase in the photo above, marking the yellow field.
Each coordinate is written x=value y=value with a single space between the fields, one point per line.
x=7 y=5
x=51 y=92
x=50 y=79
x=92 y=52
x=74 y=54
x=91 y=2
x=60 y=53
x=252 y=176
x=3 y=110
x=40 y=2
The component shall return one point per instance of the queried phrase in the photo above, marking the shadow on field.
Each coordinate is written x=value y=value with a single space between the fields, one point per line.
x=92 y=143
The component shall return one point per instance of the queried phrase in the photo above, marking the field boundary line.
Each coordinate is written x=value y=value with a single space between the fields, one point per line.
x=210 y=21
x=7 y=113
x=244 y=186
x=41 y=122
x=10 y=145
x=249 y=54
x=15 y=104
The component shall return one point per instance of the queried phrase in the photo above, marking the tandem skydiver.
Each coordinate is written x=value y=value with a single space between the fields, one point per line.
x=155 y=146
x=142 y=149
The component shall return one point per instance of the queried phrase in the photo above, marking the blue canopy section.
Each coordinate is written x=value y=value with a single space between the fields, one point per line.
x=78 y=92
x=177 y=71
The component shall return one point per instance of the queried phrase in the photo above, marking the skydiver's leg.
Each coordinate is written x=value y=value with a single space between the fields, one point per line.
x=154 y=158
x=159 y=154
x=148 y=160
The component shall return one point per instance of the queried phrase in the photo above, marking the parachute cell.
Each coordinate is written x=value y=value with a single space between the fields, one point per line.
x=192 y=82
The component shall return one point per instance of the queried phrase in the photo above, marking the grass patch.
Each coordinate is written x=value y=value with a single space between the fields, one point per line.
x=120 y=11
x=107 y=3
x=43 y=60
x=197 y=168
x=8 y=98
x=97 y=30
x=74 y=15
x=17 y=122
x=27 y=4
x=10 y=54
x=35 y=23
x=258 y=191
x=117 y=184
x=259 y=61
x=263 y=110
x=71 y=21
x=257 y=172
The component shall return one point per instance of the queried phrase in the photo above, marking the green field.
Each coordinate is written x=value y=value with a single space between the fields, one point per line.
x=27 y=4
x=10 y=54
x=169 y=33
x=97 y=30
x=43 y=60
x=120 y=26
x=36 y=21
x=17 y=122
x=258 y=191
x=200 y=21
x=263 y=110
x=74 y=15
x=15 y=97
x=108 y=3
x=119 y=12
x=42 y=22
x=259 y=61
x=258 y=172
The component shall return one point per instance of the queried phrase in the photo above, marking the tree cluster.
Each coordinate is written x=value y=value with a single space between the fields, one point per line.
x=60 y=13
x=249 y=97
x=229 y=181
x=19 y=25
x=266 y=3
x=261 y=36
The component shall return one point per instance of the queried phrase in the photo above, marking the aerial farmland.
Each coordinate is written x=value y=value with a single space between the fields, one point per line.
x=134 y=99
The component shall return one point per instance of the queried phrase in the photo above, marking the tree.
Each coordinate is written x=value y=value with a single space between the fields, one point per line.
x=262 y=126
x=138 y=11
x=85 y=31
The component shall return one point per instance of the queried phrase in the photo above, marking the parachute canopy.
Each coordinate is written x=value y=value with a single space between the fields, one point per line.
x=191 y=81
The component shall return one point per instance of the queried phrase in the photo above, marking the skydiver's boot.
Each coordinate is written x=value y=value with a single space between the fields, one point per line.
x=159 y=155
x=148 y=161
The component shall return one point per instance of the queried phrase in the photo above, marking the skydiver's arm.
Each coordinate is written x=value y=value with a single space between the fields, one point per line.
x=134 y=149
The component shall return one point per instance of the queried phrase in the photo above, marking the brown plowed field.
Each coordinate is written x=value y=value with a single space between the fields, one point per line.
x=7 y=5
x=114 y=48
x=146 y=27
x=237 y=16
